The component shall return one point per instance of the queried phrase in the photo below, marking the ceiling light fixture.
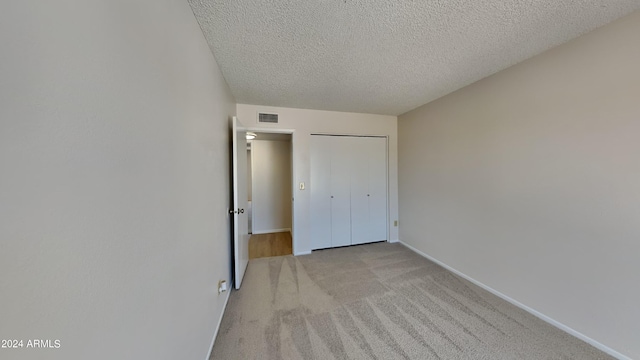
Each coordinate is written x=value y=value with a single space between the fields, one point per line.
x=251 y=136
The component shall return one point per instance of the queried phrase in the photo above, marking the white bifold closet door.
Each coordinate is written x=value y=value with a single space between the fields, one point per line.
x=320 y=187
x=348 y=190
x=340 y=191
x=360 y=191
x=369 y=190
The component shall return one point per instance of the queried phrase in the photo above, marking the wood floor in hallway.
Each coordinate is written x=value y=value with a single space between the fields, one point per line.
x=267 y=245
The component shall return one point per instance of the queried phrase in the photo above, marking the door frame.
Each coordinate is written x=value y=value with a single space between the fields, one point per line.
x=294 y=183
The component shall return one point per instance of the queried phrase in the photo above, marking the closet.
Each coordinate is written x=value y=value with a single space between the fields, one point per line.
x=348 y=190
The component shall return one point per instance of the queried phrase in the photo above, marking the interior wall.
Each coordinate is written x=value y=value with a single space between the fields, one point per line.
x=249 y=177
x=271 y=164
x=114 y=154
x=304 y=122
x=249 y=193
x=527 y=181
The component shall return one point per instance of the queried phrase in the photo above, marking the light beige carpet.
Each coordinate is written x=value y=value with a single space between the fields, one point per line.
x=378 y=301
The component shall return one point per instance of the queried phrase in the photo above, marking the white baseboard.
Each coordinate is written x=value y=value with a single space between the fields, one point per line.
x=215 y=333
x=533 y=312
x=394 y=241
x=271 y=231
x=302 y=253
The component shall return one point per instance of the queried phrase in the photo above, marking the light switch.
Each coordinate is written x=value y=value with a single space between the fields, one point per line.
x=301 y=186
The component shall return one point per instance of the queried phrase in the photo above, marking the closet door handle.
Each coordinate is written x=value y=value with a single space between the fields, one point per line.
x=241 y=211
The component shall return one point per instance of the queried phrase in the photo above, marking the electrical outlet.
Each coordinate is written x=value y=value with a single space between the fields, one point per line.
x=222 y=286
x=395 y=223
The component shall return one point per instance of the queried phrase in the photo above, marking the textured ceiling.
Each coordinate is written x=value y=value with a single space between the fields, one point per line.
x=382 y=56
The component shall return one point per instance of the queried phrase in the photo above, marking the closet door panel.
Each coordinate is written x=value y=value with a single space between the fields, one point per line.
x=320 y=188
x=360 y=190
x=377 y=189
x=340 y=191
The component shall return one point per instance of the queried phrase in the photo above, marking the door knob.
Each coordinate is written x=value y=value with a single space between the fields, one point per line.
x=232 y=212
x=241 y=211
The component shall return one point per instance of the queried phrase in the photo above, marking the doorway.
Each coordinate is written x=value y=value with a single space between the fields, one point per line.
x=270 y=194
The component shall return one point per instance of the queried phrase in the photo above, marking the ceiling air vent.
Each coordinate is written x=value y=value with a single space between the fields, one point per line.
x=267 y=118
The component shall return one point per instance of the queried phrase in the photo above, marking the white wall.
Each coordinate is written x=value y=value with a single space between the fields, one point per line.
x=304 y=122
x=271 y=163
x=114 y=186
x=528 y=181
x=249 y=176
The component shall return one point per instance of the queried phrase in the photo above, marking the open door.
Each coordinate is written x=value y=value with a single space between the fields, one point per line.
x=240 y=224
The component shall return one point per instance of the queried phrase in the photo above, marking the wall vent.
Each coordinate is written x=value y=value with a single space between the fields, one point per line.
x=267 y=118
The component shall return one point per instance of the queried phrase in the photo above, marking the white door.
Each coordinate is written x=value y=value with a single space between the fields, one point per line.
x=340 y=191
x=369 y=190
x=360 y=227
x=320 y=192
x=240 y=223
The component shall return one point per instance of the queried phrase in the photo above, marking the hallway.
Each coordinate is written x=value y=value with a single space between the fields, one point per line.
x=267 y=245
